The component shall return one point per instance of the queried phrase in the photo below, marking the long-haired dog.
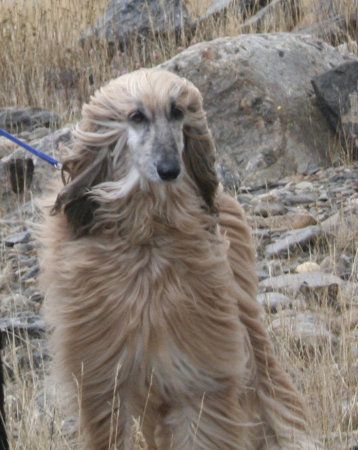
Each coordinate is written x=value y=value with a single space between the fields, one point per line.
x=148 y=268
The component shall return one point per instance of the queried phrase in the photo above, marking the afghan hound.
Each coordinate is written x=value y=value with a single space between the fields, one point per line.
x=148 y=269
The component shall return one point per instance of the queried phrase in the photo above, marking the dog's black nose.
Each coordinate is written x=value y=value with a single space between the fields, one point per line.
x=168 y=170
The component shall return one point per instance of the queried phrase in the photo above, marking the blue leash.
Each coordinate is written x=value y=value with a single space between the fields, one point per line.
x=47 y=158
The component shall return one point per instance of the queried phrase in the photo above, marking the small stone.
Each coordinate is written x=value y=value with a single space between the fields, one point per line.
x=308 y=266
x=31 y=273
x=323 y=197
x=292 y=239
x=299 y=199
x=304 y=185
x=18 y=238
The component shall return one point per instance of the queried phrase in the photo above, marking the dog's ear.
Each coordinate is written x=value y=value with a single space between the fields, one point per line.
x=199 y=160
x=79 y=173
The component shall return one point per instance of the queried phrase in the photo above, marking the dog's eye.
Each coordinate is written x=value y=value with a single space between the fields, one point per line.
x=176 y=113
x=137 y=117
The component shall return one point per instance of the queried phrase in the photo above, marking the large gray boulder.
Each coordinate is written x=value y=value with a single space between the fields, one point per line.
x=125 y=20
x=337 y=94
x=260 y=102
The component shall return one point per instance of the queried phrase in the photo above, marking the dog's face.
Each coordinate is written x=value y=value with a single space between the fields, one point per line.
x=148 y=126
x=156 y=141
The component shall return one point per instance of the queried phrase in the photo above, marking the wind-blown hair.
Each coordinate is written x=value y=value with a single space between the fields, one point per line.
x=100 y=139
x=149 y=273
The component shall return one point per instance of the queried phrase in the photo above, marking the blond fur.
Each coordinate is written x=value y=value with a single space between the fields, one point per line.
x=150 y=292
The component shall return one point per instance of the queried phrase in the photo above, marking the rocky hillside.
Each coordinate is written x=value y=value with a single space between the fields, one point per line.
x=306 y=232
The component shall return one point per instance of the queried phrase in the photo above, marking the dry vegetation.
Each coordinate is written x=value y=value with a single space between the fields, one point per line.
x=42 y=63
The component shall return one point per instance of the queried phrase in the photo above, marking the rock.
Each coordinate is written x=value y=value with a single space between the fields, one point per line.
x=126 y=21
x=299 y=199
x=308 y=266
x=337 y=94
x=19 y=238
x=339 y=224
x=304 y=185
x=34 y=270
x=16 y=120
x=259 y=99
x=292 y=239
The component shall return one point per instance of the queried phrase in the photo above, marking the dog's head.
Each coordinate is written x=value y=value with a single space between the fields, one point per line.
x=148 y=126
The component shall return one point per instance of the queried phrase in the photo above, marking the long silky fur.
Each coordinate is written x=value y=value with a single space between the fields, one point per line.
x=150 y=294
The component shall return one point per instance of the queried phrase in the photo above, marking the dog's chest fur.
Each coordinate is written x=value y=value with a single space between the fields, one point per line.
x=164 y=301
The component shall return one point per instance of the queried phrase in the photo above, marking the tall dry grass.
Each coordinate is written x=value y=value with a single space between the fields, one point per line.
x=42 y=63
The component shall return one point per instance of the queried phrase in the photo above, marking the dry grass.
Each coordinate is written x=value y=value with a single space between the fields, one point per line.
x=43 y=64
